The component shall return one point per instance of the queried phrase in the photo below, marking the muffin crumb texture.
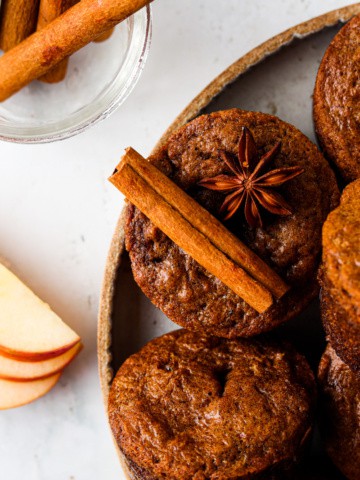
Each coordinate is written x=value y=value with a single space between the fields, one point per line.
x=193 y=407
x=340 y=277
x=337 y=101
x=340 y=401
x=290 y=245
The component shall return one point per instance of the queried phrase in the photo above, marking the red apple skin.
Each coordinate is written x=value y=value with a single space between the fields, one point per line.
x=35 y=356
x=36 y=333
x=41 y=377
x=30 y=398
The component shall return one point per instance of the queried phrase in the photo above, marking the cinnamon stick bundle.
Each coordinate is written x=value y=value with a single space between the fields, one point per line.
x=48 y=11
x=197 y=232
x=74 y=29
x=17 y=21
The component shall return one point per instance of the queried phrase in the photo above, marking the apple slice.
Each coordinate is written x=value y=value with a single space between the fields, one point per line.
x=18 y=370
x=16 y=394
x=29 y=329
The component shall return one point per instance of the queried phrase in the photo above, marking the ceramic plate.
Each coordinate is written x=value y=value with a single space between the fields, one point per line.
x=277 y=77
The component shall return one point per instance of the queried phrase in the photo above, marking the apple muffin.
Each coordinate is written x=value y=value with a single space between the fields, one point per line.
x=340 y=413
x=340 y=277
x=192 y=407
x=337 y=101
x=281 y=221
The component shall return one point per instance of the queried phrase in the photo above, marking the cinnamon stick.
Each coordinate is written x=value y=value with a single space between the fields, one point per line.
x=208 y=225
x=181 y=219
x=75 y=28
x=104 y=36
x=17 y=22
x=48 y=11
x=178 y=229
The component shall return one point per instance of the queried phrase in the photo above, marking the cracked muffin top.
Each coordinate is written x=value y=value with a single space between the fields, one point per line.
x=341 y=249
x=193 y=407
x=291 y=245
x=340 y=277
x=340 y=412
x=337 y=101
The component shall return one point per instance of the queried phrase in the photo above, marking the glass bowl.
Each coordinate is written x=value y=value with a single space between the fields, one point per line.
x=99 y=78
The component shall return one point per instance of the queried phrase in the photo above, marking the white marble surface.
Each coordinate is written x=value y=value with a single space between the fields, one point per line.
x=57 y=214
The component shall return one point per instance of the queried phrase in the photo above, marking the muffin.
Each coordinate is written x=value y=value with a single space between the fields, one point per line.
x=340 y=412
x=187 y=293
x=337 y=100
x=340 y=277
x=191 y=407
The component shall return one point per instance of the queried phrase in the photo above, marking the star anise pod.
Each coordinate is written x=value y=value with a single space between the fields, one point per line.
x=247 y=186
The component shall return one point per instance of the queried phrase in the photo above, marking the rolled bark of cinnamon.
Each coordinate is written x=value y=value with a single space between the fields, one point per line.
x=208 y=225
x=48 y=11
x=17 y=21
x=75 y=28
x=104 y=36
x=197 y=232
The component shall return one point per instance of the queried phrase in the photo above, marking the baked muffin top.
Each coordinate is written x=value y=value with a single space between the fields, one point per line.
x=341 y=249
x=341 y=323
x=340 y=400
x=193 y=407
x=337 y=100
x=291 y=245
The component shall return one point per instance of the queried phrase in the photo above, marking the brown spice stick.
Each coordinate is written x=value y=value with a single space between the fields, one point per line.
x=74 y=29
x=51 y=9
x=180 y=229
x=104 y=36
x=208 y=225
x=17 y=22
x=48 y=11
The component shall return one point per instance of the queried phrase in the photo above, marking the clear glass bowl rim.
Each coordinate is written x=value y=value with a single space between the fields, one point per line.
x=137 y=52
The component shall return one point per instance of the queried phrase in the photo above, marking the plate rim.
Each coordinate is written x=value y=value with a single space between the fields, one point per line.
x=199 y=102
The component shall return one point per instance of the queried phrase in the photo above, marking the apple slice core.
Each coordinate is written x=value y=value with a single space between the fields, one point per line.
x=29 y=329
x=19 y=370
x=16 y=394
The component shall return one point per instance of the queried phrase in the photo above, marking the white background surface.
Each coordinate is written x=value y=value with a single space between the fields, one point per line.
x=58 y=212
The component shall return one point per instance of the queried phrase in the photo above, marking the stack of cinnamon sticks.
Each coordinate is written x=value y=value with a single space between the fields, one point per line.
x=21 y=18
x=84 y=22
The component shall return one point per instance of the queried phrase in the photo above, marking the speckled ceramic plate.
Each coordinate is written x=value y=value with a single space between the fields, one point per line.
x=277 y=77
